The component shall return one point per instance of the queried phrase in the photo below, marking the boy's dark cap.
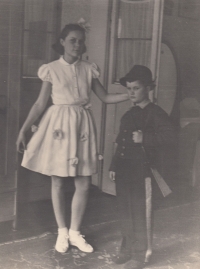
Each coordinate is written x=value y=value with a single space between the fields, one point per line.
x=138 y=72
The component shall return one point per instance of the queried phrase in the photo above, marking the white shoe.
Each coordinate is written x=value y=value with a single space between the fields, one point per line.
x=62 y=243
x=79 y=242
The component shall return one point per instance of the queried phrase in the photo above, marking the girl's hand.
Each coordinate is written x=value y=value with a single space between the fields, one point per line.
x=112 y=175
x=137 y=136
x=21 y=142
x=105 y=97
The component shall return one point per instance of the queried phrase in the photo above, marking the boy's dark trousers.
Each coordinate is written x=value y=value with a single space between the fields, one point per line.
x=131 y=199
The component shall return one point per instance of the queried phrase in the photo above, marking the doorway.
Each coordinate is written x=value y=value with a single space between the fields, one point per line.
x=41 y=26
x=135 y=38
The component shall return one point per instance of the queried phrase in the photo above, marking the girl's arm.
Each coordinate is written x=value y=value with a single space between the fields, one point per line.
x=36 y=110
x=105 y=97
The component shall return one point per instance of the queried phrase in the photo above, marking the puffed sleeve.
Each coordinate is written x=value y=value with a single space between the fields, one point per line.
x=95 y=71
x=44 y=73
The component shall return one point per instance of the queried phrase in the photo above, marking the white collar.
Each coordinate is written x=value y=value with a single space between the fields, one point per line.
x=66 y=63
x=143 y=104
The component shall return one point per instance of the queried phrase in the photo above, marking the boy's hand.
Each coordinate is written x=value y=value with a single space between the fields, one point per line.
x=137 y=136
x=112 y=175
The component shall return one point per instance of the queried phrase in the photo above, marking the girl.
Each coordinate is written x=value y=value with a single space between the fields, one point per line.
x=146 y=135
x=65 y=143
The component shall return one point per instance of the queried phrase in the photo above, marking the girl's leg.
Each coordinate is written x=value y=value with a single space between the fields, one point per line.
x=58 y=201
x=79 y=202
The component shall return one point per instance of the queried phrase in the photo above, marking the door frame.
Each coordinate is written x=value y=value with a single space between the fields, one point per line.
x=110 y=39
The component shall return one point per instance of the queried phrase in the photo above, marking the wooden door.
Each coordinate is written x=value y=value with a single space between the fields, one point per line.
x=41 y=25
x=11 y=14
x=135 y=38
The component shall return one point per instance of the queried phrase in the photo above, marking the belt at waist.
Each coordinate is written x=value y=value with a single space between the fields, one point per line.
x=86 y=106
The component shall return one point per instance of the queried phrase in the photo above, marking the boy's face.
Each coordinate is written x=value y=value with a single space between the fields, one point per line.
x=137 y=91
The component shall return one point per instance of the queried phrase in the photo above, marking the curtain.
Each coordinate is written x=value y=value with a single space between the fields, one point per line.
x=134 y=34
x=131 y=52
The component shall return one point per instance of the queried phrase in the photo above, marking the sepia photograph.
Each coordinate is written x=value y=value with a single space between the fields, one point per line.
x=100 y=134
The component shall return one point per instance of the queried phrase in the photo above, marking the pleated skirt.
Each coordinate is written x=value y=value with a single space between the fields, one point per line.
x=64 y=143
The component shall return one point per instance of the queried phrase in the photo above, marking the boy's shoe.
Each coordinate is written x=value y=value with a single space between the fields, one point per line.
x=124 y=254
x=134 y=264
x=79 y=242
x=122 y=257
x=62 y=243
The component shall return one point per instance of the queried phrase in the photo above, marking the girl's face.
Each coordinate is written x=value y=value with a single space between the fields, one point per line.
x=73 y=45
x=137 y=91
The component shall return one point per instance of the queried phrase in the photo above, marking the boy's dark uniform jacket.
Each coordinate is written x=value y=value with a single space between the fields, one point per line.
x=159 y=141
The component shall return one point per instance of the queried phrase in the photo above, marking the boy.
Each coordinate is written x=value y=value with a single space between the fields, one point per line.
x=144 y=137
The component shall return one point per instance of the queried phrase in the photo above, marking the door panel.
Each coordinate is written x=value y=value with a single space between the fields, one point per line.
x=10 y=63
x=167 y=80
x=136 y=28
x=97 y=52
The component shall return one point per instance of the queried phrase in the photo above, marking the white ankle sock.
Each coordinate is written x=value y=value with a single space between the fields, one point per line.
x=73 y=233
x=63 y=231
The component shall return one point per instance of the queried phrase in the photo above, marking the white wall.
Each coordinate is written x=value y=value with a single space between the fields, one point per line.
x=96 y=13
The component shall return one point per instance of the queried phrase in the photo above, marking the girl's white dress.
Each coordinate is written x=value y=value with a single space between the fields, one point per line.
x=64 y=143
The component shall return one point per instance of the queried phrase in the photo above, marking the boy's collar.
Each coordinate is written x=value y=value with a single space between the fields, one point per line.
x=143 y=104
